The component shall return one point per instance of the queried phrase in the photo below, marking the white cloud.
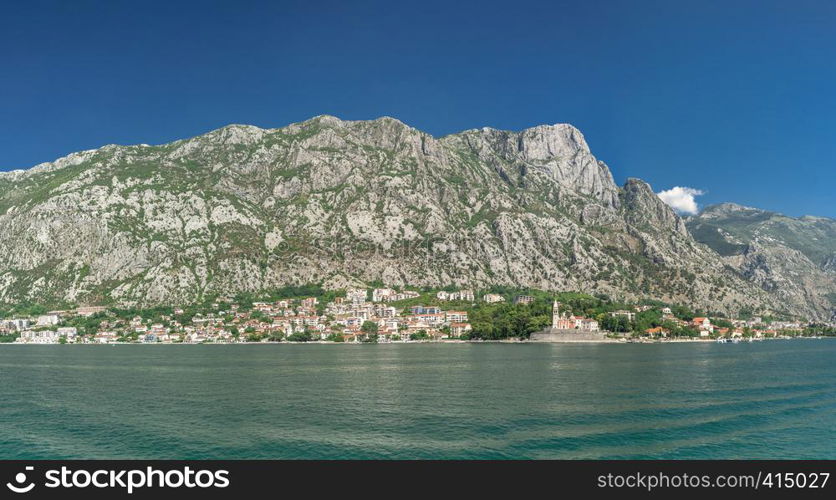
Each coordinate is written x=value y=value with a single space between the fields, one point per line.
x=681 y=199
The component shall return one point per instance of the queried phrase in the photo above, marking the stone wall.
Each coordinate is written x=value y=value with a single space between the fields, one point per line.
x=558 y=335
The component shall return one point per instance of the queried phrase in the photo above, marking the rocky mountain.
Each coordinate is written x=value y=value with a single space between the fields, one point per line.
x=793 y=258
x=345 y=202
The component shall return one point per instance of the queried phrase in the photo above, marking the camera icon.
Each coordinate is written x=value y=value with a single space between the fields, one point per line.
x=20 y=478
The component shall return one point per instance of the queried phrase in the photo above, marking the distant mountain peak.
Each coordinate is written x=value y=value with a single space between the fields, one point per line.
x=793 y=256
x=730 y=207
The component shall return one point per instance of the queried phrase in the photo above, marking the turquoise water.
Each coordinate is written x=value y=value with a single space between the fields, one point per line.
x=774 y=399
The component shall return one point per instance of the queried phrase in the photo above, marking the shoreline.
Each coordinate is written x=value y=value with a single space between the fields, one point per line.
x=503 y=341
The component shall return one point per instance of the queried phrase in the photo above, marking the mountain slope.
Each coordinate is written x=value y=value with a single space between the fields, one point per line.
x=795 y=258
x=340 y=202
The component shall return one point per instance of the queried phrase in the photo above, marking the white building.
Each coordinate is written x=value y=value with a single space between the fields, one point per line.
x=69 y=332
x=456 y=316
x=18 y=324
x=356 y=295
x=105 y=337
x=90 y=310
x=704 y=325
x=464 y=295
x=48 y=320
x=459 y=329
x=630 y=315
x=38 y=337
x=406 y=294
x=382 y=294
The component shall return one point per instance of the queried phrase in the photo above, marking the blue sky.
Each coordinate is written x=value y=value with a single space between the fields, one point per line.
x=735 y=99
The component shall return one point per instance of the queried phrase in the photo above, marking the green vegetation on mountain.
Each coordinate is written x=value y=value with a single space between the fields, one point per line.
x=793 y=257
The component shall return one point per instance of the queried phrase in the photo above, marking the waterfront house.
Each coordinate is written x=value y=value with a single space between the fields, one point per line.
x=459 y=329
x=703 y=325
x=564 y=323
x=68 y=332
x=105 y=337
x=657 y=332
x=38 y=337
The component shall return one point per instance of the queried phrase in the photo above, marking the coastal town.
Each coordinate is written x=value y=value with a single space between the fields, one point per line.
x=384 y=315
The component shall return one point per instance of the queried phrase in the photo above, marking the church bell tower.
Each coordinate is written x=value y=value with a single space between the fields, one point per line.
x=555 y=313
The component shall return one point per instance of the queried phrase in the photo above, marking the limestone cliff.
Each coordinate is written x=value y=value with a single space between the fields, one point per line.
x=339 y=202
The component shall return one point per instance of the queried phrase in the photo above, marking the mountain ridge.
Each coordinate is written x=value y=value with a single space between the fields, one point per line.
x=323 y=117
x=794 y=256
x=242 y=208
x=732 y=206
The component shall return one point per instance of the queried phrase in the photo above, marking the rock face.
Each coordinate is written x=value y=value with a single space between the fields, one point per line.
x=339 y=202
x=792 y=258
